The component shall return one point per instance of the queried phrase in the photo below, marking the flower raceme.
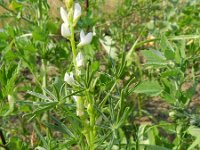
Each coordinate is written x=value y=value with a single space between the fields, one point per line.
x=85 y=39
x=69 y=78
x=65 y=30
x=77 y=13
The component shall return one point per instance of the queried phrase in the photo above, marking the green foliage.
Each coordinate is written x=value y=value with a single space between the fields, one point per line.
x=151 y=88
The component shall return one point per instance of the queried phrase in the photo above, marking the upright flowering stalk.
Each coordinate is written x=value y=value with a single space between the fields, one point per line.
x=70 y=19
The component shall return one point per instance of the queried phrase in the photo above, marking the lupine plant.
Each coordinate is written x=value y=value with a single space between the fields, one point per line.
x=93 y=78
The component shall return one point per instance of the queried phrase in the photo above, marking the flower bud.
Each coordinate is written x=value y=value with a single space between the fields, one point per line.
x=65 y=31
x=68 y=3
x=64 y=15
x=79 y=60
x=77 y=13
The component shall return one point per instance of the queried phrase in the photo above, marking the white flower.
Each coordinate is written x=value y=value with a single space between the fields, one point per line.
x=65 y=31
x=85 y=39
x=80 y=60
x=76 y=98
x=77 y=11
x=69 y=78
x=64 y=15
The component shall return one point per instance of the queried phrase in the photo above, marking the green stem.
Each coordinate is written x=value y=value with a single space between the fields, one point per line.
x=108 y=94
x=88 y=128
x=40 y=10
x=72 y=40
x=73 y=48
x=139 y=107
x=44 y=86
x=44 y=77
x=91 y=113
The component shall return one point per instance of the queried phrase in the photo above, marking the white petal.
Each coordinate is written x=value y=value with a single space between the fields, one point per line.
x=85 y=39
x=80 y=59
x=88 y=38
x=82 y=35
x=77 y=11
x=65 y=32
x=71 y=75
x=76 y=98
x=63 y=14
x=69 y=78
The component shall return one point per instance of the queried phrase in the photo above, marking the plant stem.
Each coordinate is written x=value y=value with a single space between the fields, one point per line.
x=139 y=106
x=72 y=40
x=3 y=141
x=91 y=113
x=108 y=94
x=44 y=86
x=88 y=128
x=44 y=77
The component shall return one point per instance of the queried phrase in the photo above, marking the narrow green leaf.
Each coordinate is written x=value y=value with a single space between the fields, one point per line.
x=154 y=147
x=41 y=137
x=38 y=95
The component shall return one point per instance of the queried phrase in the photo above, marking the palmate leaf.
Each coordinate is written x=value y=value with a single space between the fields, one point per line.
x=151 y=88
x=155 y=58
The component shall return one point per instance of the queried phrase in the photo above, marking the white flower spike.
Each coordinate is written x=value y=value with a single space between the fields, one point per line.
x=80 y=60
x=69 y=78
x=85 y=39
x=77 y=11
x=65 y=31
x=64 y=15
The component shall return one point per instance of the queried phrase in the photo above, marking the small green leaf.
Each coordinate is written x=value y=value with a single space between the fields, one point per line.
x=151 y=88
x=171 y=73
x=194 y=131
x=169 y=54
x=195 y=143
x=154 y=57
